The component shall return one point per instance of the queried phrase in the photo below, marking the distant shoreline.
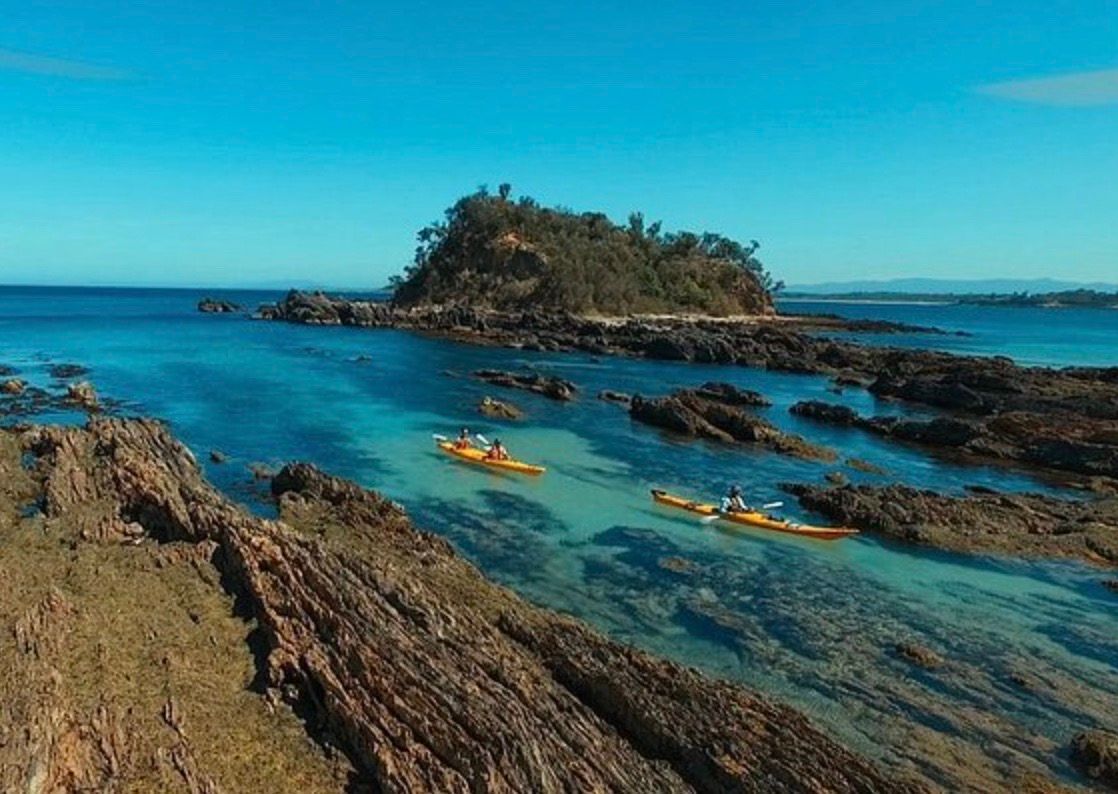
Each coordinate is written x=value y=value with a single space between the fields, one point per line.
x=868 y=301
x=1072 y=299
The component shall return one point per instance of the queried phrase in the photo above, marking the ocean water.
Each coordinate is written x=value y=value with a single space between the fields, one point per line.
x=1041 y=337
x=1031 y=647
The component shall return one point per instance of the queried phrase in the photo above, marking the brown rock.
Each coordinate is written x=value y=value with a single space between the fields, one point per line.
x=497 y=409
x=425 y=675
x=13 y=386
x=83 y=395
x=555 y=388
x=1095 y=753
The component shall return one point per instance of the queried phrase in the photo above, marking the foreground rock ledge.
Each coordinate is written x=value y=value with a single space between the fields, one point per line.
x=427 y=676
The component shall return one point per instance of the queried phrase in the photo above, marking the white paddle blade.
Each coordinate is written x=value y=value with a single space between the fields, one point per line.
x=772 y=505
x=438 y=437
x=708 y=520
x=482 y=439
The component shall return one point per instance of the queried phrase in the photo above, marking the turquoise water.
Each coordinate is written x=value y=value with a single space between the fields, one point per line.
x=1041 y=337
x=810 y=623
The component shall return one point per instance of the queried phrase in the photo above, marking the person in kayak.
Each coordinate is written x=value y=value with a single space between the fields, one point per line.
x=463 y=440
x=497 y=451
x=734 y=502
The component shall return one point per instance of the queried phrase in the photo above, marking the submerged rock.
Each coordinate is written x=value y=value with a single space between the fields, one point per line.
x=382 y=637
x=919 y=655
x=1095 y=753
x=67 y=371
x=217 y=456
x=13 y=386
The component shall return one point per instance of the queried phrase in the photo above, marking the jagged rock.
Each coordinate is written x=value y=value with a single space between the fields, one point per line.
x=983 y=522
x=825 y=412
x=554 y=388
x=865 y=466
x=1095 y=753
x=1111 y=585
x=703 y=413
x=498 y=409
x=83 y=395
x=13 y=386
x=426 y=676
x=917 y=654
x=217 y=306
x=835 y=478
x=217 y=456
x=731 y=395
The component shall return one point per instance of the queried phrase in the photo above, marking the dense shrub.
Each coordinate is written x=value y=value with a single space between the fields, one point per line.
x=502 y=253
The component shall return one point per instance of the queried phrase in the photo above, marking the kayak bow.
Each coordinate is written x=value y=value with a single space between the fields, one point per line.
x=477 y=456
x=753 y=519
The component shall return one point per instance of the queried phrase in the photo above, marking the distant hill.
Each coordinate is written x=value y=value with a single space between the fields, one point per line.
x=935 y=286
x=497 y=252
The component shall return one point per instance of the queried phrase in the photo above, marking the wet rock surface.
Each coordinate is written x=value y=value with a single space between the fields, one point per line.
x=720 y=412
x=1056 y=441
x=1096 y=754
x=545 y=385
x=983 y=522
x=498 y=409
x=394 y=650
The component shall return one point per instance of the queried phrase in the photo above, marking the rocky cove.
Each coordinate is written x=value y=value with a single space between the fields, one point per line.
x=952 y=674
x=409 y=670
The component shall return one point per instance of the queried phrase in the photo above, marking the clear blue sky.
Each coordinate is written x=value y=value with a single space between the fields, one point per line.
x=227 y=143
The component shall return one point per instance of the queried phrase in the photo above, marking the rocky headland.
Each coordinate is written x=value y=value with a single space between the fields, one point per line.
x=168 y=640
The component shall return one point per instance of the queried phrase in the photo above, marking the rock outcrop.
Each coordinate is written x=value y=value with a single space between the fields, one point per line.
x=217 y=306
x=983 y=522
x=1057 y=440
x=1095 y=753
x=1075 y=408
x=392 y=648
x=721 y=412
x=546 y=385
x=498 y=409
x=13 y=386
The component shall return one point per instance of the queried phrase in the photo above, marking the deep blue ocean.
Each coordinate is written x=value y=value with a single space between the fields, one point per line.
x=809 y=623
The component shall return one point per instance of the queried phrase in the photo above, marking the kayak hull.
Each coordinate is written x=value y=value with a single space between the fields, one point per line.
x=477 y=457
x=753 y=519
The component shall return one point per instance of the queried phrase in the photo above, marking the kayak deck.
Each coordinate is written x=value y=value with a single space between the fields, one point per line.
x=477 y=456
x=753 y=519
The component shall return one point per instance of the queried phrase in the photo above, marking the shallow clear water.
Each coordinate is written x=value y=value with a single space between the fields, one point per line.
x=1043 y=337
x=810 y=623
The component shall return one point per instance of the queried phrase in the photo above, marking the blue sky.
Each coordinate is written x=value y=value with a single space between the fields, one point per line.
x=225 y=144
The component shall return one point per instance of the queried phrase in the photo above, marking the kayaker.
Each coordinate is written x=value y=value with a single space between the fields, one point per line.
x=497 y=451
x=463 y=440
x=734 y=502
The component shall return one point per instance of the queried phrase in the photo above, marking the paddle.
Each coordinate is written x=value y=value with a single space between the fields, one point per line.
x=484 y=441
x=439 y=437
x=707 y=520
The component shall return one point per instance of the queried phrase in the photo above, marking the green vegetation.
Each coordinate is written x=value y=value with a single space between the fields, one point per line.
x=494 y=251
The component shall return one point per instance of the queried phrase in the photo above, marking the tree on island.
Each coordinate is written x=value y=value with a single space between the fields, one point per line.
x=491 y=250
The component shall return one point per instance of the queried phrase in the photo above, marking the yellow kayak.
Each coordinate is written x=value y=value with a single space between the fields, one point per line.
x=475 y=455
x=753 y=519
